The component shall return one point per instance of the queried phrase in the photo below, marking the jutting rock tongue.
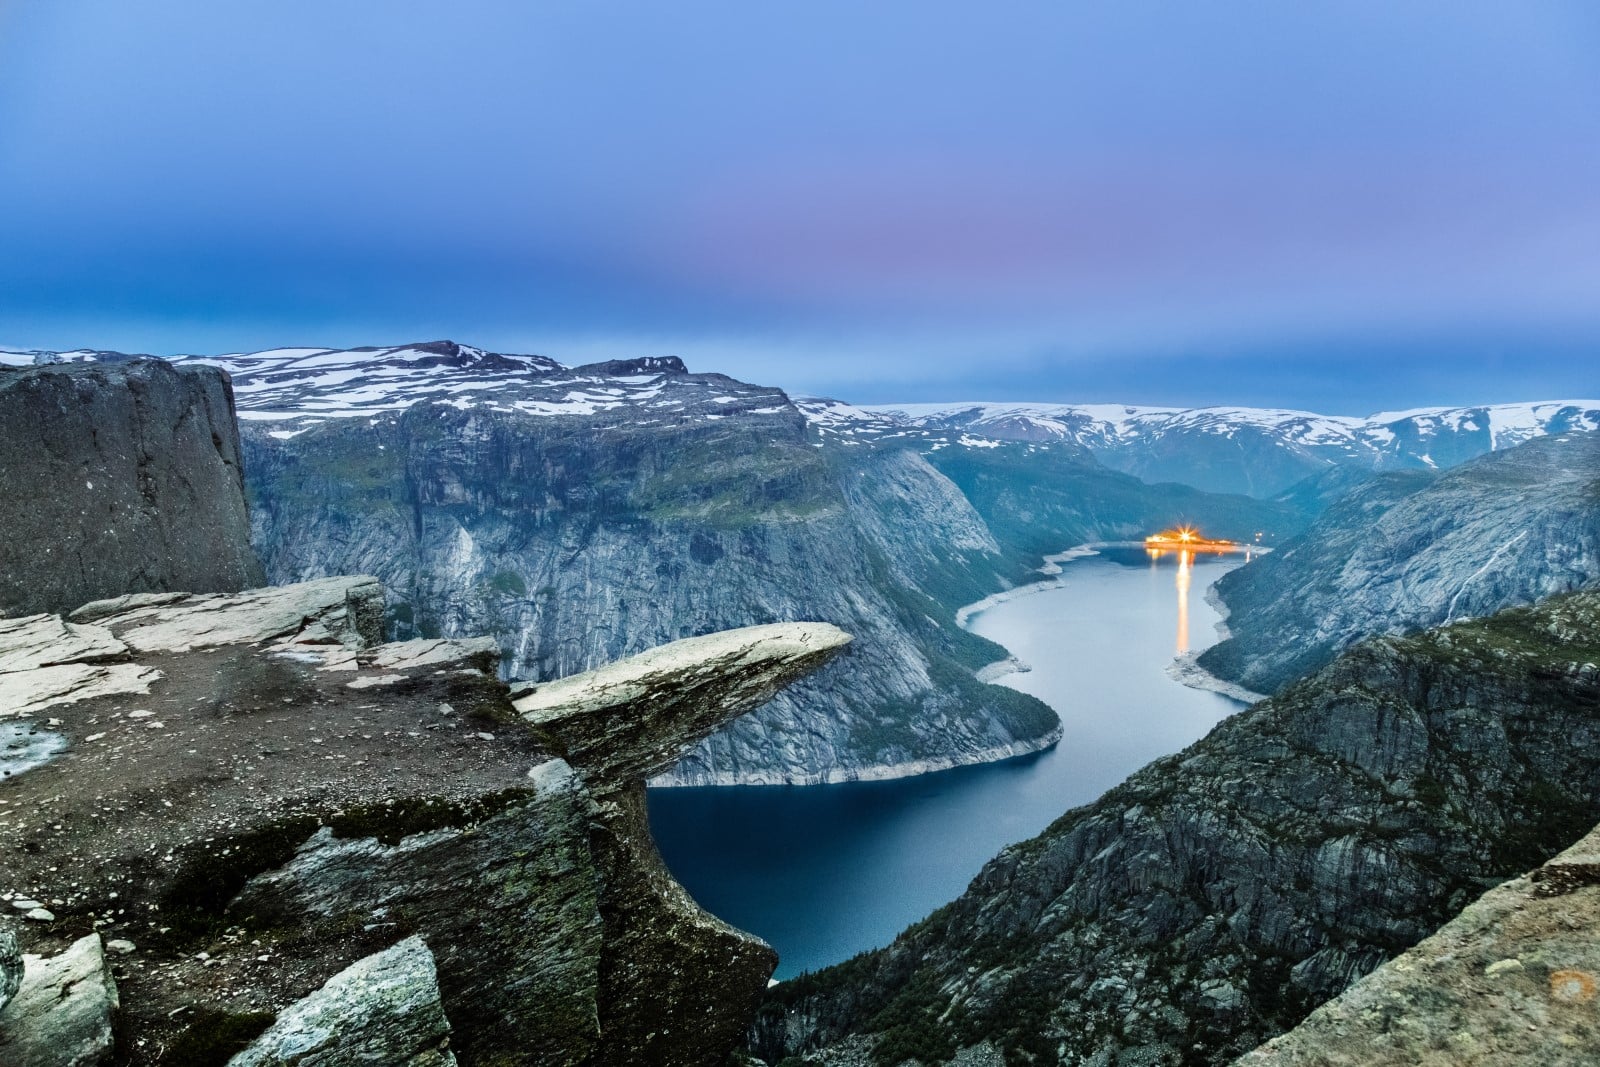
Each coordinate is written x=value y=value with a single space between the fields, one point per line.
x=619 y=725
x=119 y=478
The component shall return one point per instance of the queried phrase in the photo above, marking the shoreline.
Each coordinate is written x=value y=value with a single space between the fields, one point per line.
x=1185 y=670
x=880 y=773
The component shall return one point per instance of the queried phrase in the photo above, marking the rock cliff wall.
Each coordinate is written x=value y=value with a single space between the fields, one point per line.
x=118 y=478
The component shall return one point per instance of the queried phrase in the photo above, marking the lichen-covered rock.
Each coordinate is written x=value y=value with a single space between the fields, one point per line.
x=382 y=1010
x=63 y=1012
x=119 y=477
x=10 y=964
x=509 y=898
x=1510 y=982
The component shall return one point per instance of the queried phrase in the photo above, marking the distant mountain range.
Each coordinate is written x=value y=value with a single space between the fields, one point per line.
x=1257 y=451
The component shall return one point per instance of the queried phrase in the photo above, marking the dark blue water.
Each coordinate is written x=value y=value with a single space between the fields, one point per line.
x=824 y=872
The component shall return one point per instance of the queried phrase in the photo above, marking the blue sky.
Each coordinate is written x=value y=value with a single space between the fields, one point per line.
x=1343 y=206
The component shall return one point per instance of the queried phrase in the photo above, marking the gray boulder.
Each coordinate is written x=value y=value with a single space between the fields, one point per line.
x=380 y=1010
x=10 y=965
x=63 y=1010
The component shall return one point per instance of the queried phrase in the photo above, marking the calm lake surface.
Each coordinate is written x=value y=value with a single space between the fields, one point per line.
x=825 y=872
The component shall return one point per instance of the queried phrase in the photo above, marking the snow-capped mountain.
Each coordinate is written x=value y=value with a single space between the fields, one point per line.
x=1258 y=451
x=298 y=388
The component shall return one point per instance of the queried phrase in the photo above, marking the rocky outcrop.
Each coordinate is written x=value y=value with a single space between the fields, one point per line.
x=119 y=478
x=1512 y=980
x=290 y=797
x=62 y=1014
x=1216 y=897
x=381 y=1010
x=1412 y=550
x=10 y=964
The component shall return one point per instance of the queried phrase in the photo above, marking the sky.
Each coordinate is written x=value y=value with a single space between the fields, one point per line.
x=1344 y=206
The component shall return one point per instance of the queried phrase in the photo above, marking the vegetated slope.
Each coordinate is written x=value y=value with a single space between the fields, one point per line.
x=1415 y=550
x=1259 y=451
x=1219 y=894
x=118 y=479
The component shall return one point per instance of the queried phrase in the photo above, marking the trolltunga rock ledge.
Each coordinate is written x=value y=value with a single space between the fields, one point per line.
x=632 y=719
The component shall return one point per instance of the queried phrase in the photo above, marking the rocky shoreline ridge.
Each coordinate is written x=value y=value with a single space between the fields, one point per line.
x=1219 y=895
x=292 y=842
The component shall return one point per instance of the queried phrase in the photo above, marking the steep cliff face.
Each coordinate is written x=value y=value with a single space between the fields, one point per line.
x=275 y=836
x=1219 y=894
x=1511 y=980
x=1412 y=550
x=578 y=540
x=118 y=478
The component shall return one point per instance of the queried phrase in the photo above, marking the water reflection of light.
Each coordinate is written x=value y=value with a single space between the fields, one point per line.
x=1185 y=574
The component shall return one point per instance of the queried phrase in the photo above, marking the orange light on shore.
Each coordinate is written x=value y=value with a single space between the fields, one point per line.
x=1187 y=538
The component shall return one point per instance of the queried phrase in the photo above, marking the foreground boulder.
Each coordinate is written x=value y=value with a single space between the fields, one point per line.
x=63 y=1012
x=381 y=1010
x=287 y=796
x=10 y=965
x=119 y=478
x=1513 y=979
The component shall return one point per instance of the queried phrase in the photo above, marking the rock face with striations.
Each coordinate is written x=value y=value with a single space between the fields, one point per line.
x=582 y=514
x=1217 y=896
x=281 y=798
x=119 y=478
x=1414 y=550
x=1511 y=980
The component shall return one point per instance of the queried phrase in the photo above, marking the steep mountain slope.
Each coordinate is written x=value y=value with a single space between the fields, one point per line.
x=1219 y=894
x=1414 y=550
x=577 y=539
x=1258 y=451
x=583 y=513
x=118 y=479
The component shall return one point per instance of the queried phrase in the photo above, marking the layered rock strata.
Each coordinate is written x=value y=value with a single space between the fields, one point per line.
x=289 y=797
x=1513 y=979
x=119 y=478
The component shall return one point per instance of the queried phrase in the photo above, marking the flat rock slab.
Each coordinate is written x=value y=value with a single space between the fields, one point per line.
x=345 y=610
x=634 y=718
x=41 y=640
x=380 y=1010
x=1513 y=980
x=30 y=692
x=61 y=1015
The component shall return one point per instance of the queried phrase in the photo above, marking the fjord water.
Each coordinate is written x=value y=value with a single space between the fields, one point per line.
x=824 y=872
